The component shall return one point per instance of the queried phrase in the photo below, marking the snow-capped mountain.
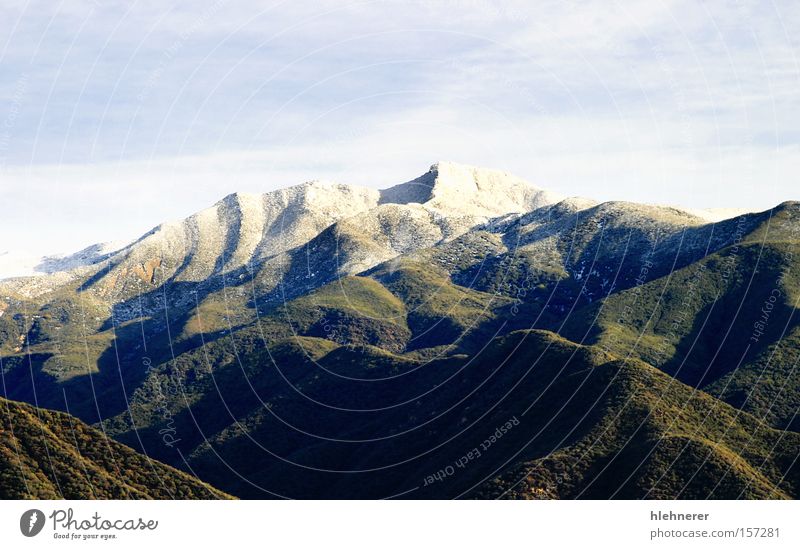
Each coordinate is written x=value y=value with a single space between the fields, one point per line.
x=354 y=314
x=247 y=231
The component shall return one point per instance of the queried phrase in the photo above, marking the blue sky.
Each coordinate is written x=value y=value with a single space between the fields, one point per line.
x=118 y=115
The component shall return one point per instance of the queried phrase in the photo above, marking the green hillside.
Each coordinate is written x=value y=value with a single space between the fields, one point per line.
x=653 y=438
x=727 y=324
x=51 y=455
x=585 y=418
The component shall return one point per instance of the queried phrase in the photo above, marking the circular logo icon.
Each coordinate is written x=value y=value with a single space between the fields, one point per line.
x=31 y=523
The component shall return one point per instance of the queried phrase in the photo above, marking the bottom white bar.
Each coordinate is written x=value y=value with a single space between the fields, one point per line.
x=390 y=524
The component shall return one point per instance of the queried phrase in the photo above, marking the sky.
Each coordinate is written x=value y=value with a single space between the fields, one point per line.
x=116 y=116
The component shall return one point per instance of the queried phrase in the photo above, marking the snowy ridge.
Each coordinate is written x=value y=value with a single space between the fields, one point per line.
x=301 y=236
x=243 y=231
x=14 y=265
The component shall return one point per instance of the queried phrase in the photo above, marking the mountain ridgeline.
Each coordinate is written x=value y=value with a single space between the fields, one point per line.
x=52 y=455
x=465 y=334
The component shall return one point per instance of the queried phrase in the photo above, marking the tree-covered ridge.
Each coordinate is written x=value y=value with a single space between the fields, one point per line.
x=52 y=455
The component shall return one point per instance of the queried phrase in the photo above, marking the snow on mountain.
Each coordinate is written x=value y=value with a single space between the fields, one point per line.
x=25 y=265
x=243 y=232
x=457 y=189
x=290 y=240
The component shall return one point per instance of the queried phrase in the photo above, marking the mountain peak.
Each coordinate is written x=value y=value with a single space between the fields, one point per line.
x=461 y=189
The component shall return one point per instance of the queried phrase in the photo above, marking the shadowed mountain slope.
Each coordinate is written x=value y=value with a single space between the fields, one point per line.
x=311 y=419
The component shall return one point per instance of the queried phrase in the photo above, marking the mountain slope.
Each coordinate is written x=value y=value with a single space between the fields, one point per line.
x=332 y=341
x=656 y=439
x=51 y=455
x=583 y=424
x=727 y=323
x=220 y=270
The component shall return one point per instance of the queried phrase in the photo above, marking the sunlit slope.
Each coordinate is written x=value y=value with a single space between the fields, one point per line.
x=51 y=455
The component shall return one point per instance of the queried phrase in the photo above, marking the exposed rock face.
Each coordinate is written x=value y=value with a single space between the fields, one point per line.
x=147 y=270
